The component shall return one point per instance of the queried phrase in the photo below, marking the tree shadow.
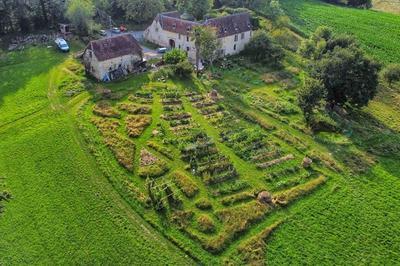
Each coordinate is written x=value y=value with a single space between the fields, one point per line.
x=18 y=68
x=371 y=142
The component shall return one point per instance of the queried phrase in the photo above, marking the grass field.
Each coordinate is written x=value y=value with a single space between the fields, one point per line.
x=166 y=173
x=378 y=32
x=63 y=209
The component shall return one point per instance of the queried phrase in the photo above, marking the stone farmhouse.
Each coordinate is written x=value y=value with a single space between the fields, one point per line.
x=111 y=58
x=171 y=30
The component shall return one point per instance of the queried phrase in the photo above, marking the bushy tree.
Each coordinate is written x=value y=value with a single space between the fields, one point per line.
x=174 y=56
x=322 y=33
x=391 y=73
x=180 y=65
x=310 y=97
x=348 y=76
x=183 y=69
x=139 y=10
x=207 y=44
x=262 y=49
x=81 y=13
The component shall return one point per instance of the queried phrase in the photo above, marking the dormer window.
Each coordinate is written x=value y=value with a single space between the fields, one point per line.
x=174 y=26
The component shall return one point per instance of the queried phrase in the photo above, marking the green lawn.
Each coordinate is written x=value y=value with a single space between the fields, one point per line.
x=63 y=210
x=378 y=32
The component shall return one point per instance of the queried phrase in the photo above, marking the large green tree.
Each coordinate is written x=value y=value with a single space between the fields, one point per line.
x=197 y=8
x=81 y=13
x=207 y=44
x=139 y=10
x=262 y=49
x=348 y=76
x=310 y=97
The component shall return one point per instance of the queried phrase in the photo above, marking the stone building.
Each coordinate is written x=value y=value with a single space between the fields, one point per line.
x=172 y=30
x=111 y=58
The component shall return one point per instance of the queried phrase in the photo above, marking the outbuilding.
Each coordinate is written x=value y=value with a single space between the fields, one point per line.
x=111 y=58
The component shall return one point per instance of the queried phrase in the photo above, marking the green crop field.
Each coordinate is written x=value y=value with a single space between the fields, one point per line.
x=378 y=32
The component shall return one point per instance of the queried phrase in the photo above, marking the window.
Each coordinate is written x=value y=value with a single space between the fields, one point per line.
x=234 y=47
x=180 y=46
x=236 y=38
x=187 y=38
x=251 y=33
x=188 y=48
x=242 y=36
x=174 y=26
x=179 y=36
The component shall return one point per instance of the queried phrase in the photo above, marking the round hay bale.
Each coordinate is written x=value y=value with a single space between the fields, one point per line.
x=264 y=197
x=307 y=162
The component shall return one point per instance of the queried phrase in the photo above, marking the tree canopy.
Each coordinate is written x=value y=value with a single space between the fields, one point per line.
x=81 y=13
x=139 y=10
x=262 y=49
x=207 y=44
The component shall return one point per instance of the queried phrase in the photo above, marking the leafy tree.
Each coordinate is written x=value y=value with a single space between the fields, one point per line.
x=360 y=3
x=262 y=49
x=197 y=8
x=175 y=56
x=342 y=40
x=200 y=8
x=307 y=48
x=322 y=33
x=81 y=13
x=183 y=69
x=348 y=76
x=391 y=73
x=139 y=10
x=310 y=97
x=207 y=44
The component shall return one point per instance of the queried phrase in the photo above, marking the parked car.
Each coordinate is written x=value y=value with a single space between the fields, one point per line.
x=103 y=33
x=162 y=50
x=62 y=45
x=116 y=30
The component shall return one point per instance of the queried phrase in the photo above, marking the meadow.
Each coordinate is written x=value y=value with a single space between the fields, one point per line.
x=378 y=32
x=62 y=210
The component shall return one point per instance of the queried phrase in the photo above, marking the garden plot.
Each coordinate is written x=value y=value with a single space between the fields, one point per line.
x=201 y=165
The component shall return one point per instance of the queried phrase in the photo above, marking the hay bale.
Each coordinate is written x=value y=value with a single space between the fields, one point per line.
x=307 y=162
x=264 y=197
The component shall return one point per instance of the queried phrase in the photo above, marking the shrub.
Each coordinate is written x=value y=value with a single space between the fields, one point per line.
x=175 y=56
x=391 y=73
x=205 y=224
x=203 y=204
x=183 y=69
x=184 y=182
x=262 y=49
x=163 y=73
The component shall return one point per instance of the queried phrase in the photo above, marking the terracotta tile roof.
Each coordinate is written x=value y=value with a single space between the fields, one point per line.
x=226 y=26
x=113 y=47
x=230 y=25
x=173 y=23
